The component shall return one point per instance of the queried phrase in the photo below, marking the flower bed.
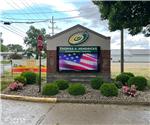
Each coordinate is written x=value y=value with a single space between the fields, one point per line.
x=91 y=94
x=64 y=90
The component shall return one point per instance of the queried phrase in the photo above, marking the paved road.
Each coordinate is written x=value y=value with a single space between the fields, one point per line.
x=27 y=113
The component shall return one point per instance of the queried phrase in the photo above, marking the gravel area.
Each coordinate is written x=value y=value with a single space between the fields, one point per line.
x=91 y=94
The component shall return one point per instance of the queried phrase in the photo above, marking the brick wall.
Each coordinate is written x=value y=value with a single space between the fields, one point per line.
x=52 y=73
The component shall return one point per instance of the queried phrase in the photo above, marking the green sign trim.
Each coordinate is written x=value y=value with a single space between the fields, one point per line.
x=78 y=49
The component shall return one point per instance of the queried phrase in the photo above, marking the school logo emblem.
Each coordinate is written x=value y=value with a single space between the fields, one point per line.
x=78 y=38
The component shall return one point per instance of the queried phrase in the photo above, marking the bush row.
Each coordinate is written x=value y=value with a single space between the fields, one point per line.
x=27 y=78
x=107 y=89
x=129 y=79
x=53 y=88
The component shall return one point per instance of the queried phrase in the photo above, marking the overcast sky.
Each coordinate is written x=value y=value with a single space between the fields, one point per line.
x=67 y=13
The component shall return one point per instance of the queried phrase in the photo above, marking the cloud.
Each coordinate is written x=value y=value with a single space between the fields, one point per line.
x=138 y=41
x=58 y=5
x=90 y=12
x=130 y=42
x=10 y=37
x=89 y=17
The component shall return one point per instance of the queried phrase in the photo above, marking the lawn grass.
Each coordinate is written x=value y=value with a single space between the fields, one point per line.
x=138 y=69
x=5 y=61
x=4 y=84
x=141 y=69
x=7 y=78
x=148 y=84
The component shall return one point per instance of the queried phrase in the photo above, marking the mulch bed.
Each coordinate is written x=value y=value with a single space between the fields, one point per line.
x=91 y=94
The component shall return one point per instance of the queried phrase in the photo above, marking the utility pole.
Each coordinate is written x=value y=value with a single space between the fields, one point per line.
x=122 y=52
x=53 y=27
x=52 y=22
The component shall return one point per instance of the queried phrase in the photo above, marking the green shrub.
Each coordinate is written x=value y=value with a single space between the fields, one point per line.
x=139 y=81
x=30 y=77
x=129 y=74
x=21 y=79
x=76 y=89
x=148 y=84
x=119 y=84
x=123 y=78
x=96 y=82
x=50 y=89
x=109 y=89
x=62 y=84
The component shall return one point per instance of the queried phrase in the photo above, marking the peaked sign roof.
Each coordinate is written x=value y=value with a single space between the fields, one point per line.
x=78 y=26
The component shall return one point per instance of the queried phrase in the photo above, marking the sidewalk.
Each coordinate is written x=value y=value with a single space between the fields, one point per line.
x=29 y=113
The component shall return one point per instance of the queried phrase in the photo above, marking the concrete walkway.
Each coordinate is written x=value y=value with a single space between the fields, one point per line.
x=27 y=113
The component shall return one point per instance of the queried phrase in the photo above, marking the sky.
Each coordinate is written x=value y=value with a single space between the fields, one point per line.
x=66 y=13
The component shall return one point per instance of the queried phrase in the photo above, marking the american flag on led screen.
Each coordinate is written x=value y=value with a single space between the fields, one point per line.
x=77 y=61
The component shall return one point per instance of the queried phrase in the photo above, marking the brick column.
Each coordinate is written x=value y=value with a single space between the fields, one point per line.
x=51 y=61
x=105 y=63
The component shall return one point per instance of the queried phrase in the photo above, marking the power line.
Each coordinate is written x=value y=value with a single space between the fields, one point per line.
x=49 y=12
x=44 y=20
x=13 y=5
x=13 y=31
x=39 y=8
x=27 y=22
x=27 y=5
x=18 y=29
x=41 y=20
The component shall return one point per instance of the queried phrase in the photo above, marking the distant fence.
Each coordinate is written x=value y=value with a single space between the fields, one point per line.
x=22 y=65
x=23 y=62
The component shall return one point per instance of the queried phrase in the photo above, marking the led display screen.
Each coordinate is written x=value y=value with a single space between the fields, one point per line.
x=78 y=58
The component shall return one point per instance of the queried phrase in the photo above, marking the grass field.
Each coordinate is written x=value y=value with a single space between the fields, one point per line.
x=138 y=69
x=7 y=78
x=142 y=69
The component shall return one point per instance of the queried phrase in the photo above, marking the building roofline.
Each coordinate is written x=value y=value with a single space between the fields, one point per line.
x=78 y=25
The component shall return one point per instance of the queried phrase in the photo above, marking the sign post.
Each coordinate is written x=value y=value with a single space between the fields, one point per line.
x=40 y=47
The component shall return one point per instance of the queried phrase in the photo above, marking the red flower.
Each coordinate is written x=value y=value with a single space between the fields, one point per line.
x=125 y=89
x=15 y=86
x=129 y=91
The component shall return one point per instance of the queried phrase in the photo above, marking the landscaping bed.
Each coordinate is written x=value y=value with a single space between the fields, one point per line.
x=125 y=89
x=91 y=94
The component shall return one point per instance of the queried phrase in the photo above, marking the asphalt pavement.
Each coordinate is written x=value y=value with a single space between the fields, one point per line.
x=30 y=113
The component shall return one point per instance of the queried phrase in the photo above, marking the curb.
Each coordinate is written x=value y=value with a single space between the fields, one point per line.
x=28 y=98
x=58 y=100
x=90 y=101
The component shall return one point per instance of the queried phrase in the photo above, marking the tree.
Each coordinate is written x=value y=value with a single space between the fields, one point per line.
x=31 y=39
x=15 y=56
x=1 y=40
x=131 y=15
x=15 y=47
x=29 y=53
x=3 y=48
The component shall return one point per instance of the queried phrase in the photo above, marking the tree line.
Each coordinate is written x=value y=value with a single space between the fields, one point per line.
x=30 y=41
